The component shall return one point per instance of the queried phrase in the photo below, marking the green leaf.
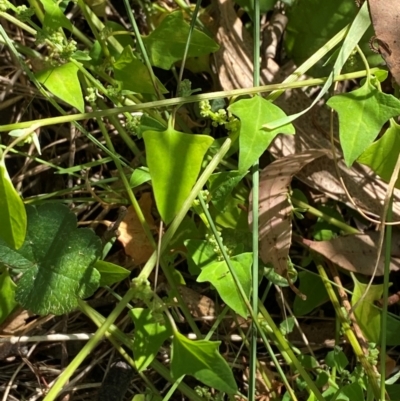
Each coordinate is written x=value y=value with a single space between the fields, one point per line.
x=312 y=286
x=149 y=336
x=174 y=160
x=7 y=296
x=367 y=314
x=337 y=359
x=12 y=212
x=218 y=274
x=303 y=40
x=351 y=392
x=63 y=82
x=200 y=254
x=362 y=114
x=166 y=44
x=133 y=74
x=382 y=155
x=253 y=140
x=110 y=273
x=54 y=17
x=148 y=123
x=324 y=231
x=221 y=185
x=234 y=215
x=56 y=260
x=139 y=177
x=125 y=39
x=202 y=360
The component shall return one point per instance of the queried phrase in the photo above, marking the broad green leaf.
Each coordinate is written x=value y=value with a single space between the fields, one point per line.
x=124 y=37
x=221 y=185
x=367 y=314
x=139 y=177
x=7 y=296
x=150 y=334
x=218 y=274
x=253 y=140
x=174 y=160
x=337 y=359
x=54 y=18
x=187 y=229
x=382 y=155
x=202 y=360
x=110 y=273
x=56 y=260
x=302 y=40
x=358 y=28
x=12 y=212
x=166 y=44
x=312 y=286
x=200 y=254
x=148 y=123
x=133 y=74
x=362 y=114
x=63 y=82
x=234 y=215
x=351 y=392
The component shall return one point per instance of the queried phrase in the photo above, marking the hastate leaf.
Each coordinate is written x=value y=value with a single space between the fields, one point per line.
x=166 y=44
x=219 y=275
x=12 y=212
x=174 y=160
x=149 y=336
x=253 y=140
x=63 y=82
x=133 y=74
x=56 y=260
x=54 y=18
x=202 y=360
x=362 y=114
x=382 y=155
x=367 y=314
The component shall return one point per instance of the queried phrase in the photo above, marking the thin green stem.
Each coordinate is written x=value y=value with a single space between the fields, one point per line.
x=116 y=333
x=283 y=345
x=188 y=40
x=142 y=48
x=255 y=202
x=331 y=220
x=89 y=347
x=181 y=100
x=349 y=333
x=386 y=285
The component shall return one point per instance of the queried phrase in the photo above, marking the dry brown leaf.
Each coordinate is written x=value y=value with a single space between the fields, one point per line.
x=261 y=386
x=199 y=305
x=385 y=17
x=132 y=235
x=356 y=253
x=275 y=223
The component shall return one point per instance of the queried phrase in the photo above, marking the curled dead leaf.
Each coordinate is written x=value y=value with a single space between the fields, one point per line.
x=356 y=253
x=132 y=236
x=275 y=223
x=385 y=17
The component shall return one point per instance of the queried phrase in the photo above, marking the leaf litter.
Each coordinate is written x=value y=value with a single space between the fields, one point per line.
x=275 y=223
x=357 y=253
